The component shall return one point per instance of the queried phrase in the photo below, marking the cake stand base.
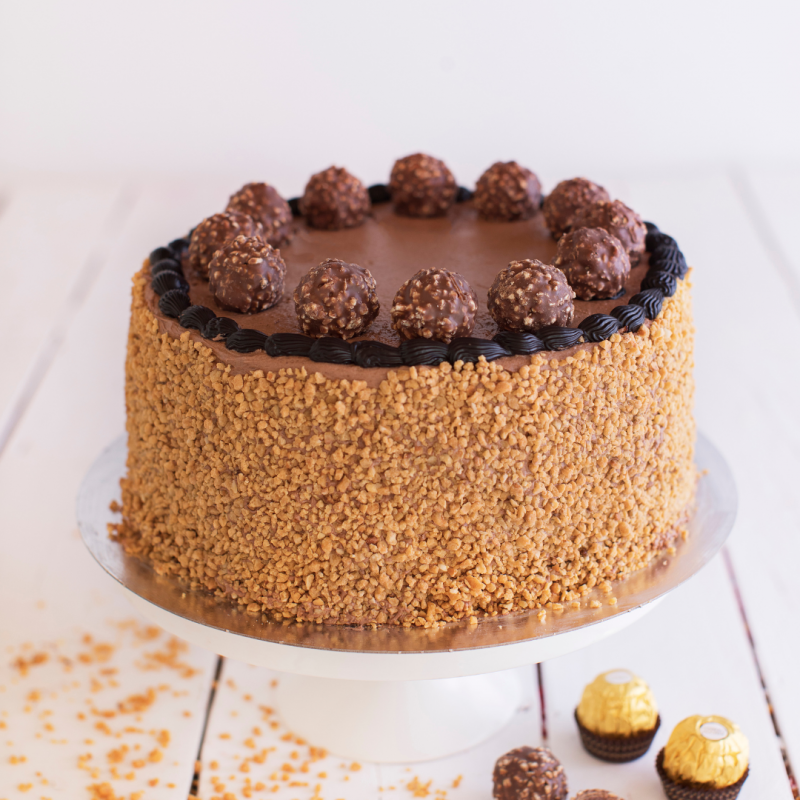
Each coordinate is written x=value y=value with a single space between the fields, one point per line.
x=398 y=721
x=392 y=694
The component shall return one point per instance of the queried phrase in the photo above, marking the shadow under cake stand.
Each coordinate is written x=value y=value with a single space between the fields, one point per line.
x=390 y=694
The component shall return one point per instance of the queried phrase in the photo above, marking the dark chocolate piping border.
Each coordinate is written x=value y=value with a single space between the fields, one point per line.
x=667 y=265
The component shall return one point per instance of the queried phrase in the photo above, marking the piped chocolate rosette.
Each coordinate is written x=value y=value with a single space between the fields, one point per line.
x=617 y=716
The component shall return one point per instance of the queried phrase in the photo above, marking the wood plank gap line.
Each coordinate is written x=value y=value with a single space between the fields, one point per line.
x=75 y=299
x=726 y=556
x=198 y=762
x=766 y=234
x=542 y=705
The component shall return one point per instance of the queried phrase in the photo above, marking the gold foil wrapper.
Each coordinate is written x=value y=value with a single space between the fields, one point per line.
x=612 y=704
x=711 y=751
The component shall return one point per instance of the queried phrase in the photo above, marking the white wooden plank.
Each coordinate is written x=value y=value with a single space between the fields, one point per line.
x=748 y=381
x=247 y=743
x=50 y=589
x=772 y=201
x=693 y=652
x=52 y=236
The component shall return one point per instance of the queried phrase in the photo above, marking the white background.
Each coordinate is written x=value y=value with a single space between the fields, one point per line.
x=277 y=90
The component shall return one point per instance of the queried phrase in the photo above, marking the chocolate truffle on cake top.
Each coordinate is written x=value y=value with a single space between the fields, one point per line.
x=336 y=299
x=215 y=231
x=596 y=794
x=434 y=304
x=566 y=199
x=619 y=220
x=246 y=275
x=422 y=186
x=334 y=199
x=595 y=262
x=529 y=773
x=507 y=191
x=263 y=203
x=529 y=295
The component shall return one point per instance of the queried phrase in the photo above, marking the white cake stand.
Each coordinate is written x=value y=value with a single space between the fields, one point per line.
x=397 y=695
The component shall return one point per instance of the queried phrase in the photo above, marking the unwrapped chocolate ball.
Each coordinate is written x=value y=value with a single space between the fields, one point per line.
x=336 y=299
x=507 y=191
x=215 y=231
x=263 y=203
x=596 y=794
x=595 y=262
x=246 y=275
x=568 y=197
x=710 y=752
x=619 y=220
x=434 y=304
x=335 y=199
x=529 y=773
x=529 y=295
x=422 y=186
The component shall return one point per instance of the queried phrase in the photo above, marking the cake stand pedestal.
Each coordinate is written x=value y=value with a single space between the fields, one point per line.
x=389 y=694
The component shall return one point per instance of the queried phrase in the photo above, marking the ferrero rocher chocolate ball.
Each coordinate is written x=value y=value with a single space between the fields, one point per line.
x=507 y=191
x=334 y=199
x=596 y=794
x=263 y=203
x=529 y=773
x=595 y=262
x=710 y=751
x=566 y=199
x=215 y=231
x=619 y=703
x=529 y=295
x=619 y=220
x=422 y=186
x=336 y=299
x=246 y=275
x=434 y=304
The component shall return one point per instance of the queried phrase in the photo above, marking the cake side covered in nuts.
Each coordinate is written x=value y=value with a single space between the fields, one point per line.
x=435 y=494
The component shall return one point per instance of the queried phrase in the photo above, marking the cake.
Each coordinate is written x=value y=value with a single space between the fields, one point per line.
x=398 y=410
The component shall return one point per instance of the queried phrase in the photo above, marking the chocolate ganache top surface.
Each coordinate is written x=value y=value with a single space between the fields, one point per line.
x=393 y=248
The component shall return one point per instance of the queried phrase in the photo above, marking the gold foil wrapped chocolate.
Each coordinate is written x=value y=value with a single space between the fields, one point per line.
x=618 y=703
x=711 y=751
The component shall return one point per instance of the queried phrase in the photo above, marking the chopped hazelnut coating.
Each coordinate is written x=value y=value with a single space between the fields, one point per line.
x=336 y=299
x=528 y=295
x=422 y=186
x=434 y=304
x=507 y=191
x=595 y=262
x=569 y=197
x=432 y=495
x=619 y=220
x=335 y=199
x=263 y=203
x=596 y=794
x=247 y=275
x=529 y=773
x=215 y=231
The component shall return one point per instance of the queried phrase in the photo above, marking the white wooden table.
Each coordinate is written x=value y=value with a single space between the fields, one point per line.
x=94 y=703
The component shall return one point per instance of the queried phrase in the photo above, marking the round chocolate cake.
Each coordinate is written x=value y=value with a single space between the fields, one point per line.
x=406 y=413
